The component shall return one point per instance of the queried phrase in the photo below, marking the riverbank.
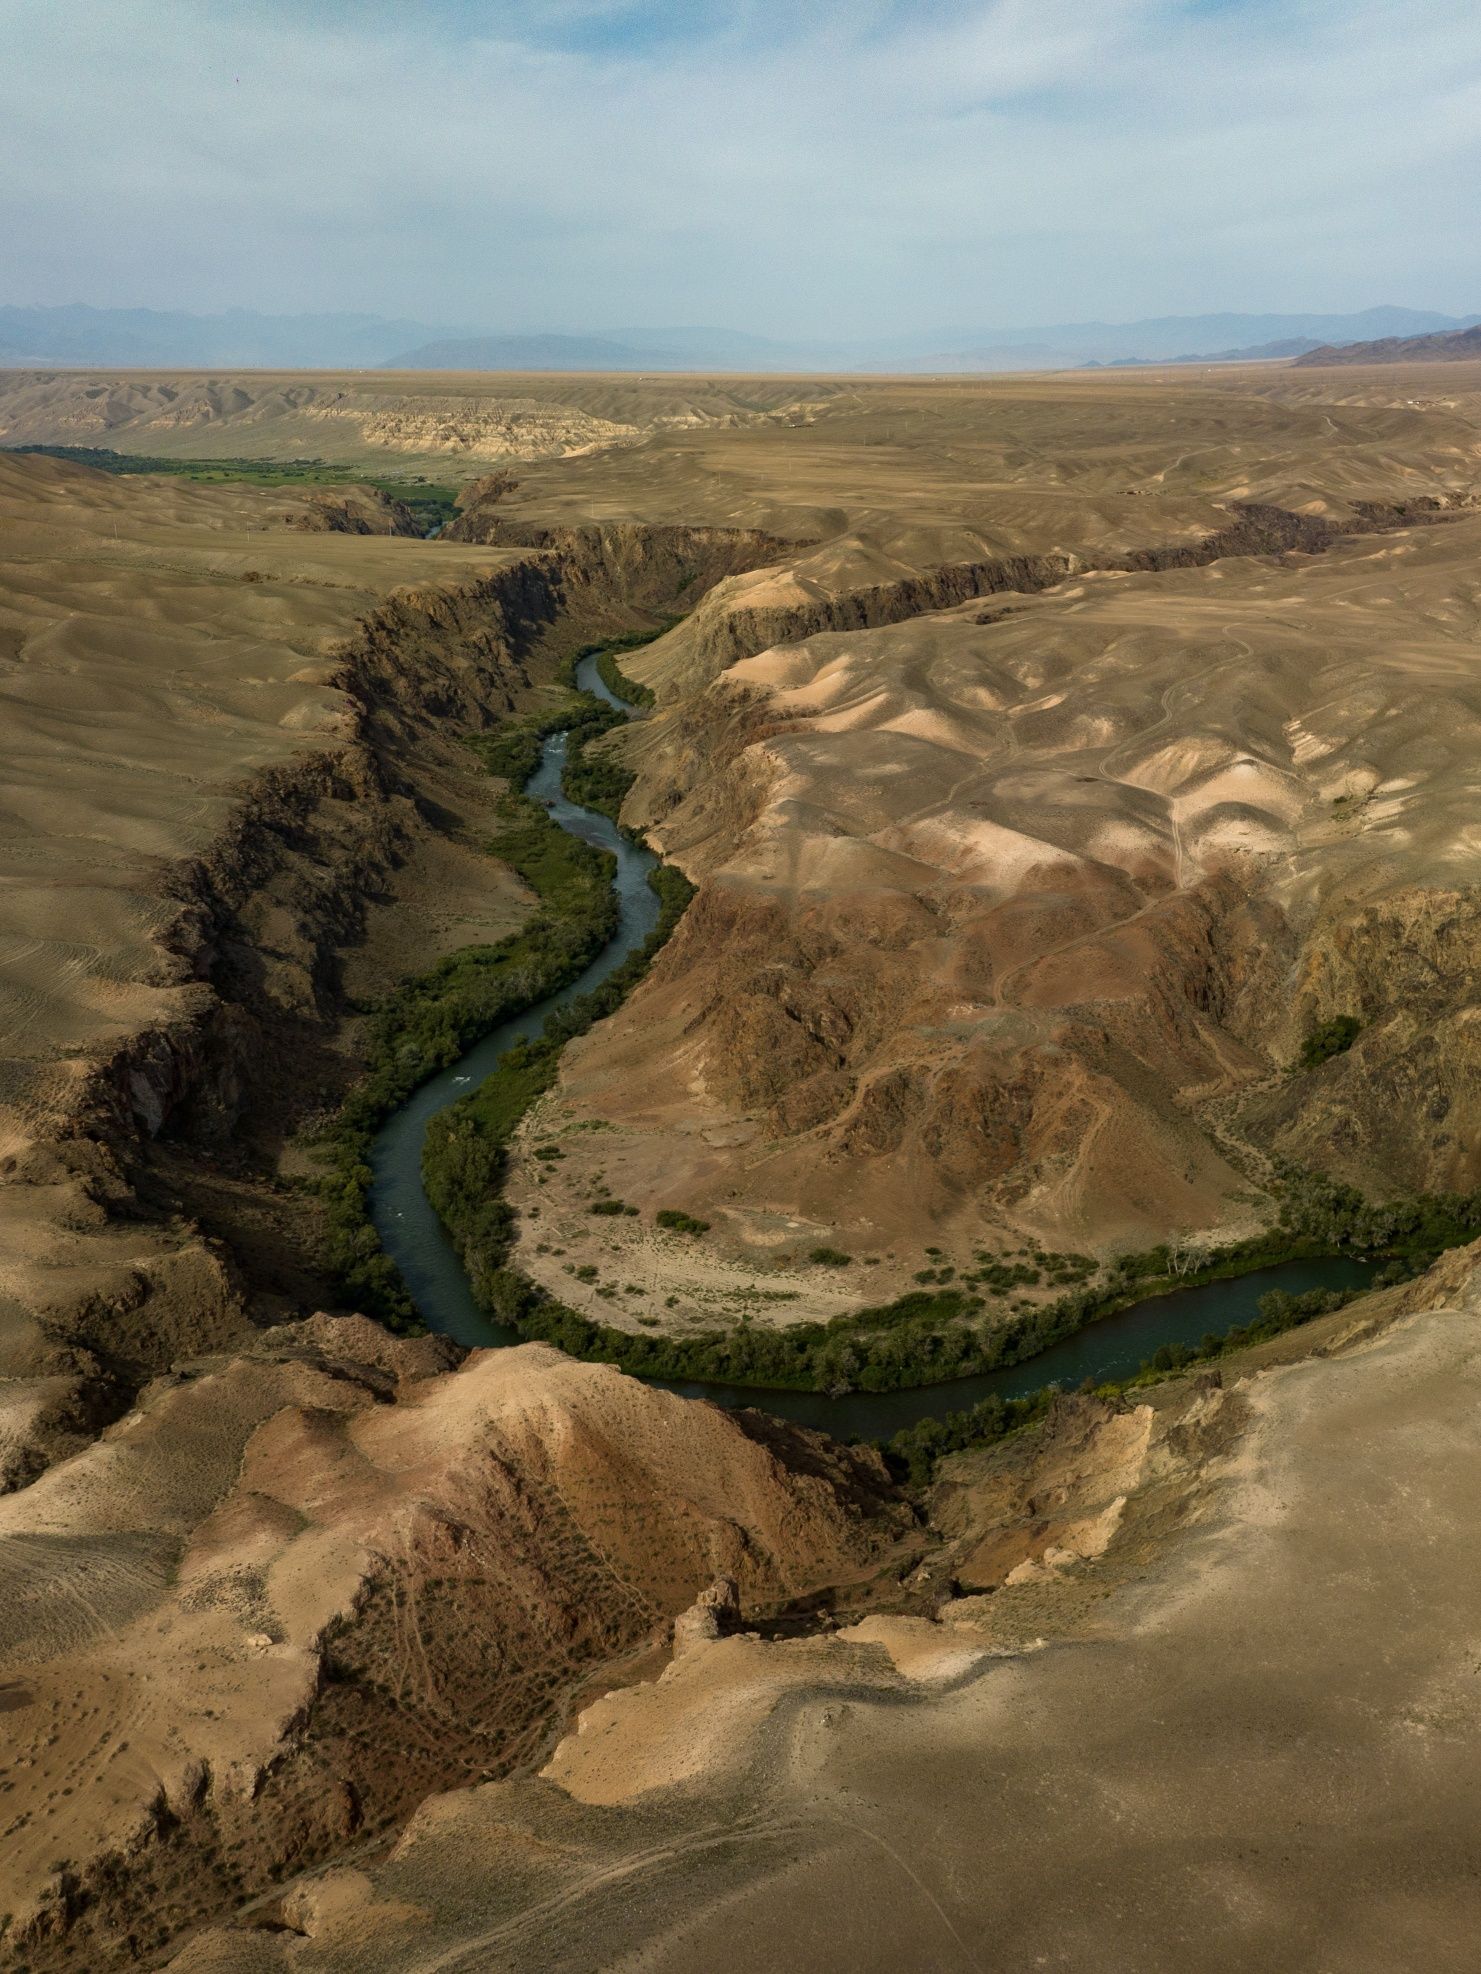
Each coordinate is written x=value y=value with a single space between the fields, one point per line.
x=933 y=1339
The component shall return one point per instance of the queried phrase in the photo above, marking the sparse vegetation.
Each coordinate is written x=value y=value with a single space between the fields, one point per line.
x=466 y=1145
x=913 y=1453
x=934 y=1335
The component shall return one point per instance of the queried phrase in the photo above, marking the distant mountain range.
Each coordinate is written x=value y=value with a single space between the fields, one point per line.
x=1195 y=338
x=1259 y=353
x=1447 y=347
x=80 y=336
x=162 y=339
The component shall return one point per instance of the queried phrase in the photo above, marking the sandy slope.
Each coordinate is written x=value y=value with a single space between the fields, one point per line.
x=1247 y=1735
x=296 y=1589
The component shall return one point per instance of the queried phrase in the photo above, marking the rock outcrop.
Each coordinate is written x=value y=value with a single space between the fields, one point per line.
x=299 y=1588
x=1011 y=924
x=715 y=1613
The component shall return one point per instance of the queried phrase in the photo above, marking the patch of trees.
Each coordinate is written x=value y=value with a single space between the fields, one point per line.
x=432 y=506
x=1333 y=1037
x=935 y=1335
x=610 y=672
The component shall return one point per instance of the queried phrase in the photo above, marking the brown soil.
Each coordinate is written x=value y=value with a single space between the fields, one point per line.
x=1012 y=913
x=298 y=1589
x=1240 y=1730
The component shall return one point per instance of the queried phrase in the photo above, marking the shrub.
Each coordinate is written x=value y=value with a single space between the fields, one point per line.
x=828 y=1257
x=679 y=1222
x=1330 y=1038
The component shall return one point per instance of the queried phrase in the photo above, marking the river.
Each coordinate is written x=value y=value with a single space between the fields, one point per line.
x=416 y=1241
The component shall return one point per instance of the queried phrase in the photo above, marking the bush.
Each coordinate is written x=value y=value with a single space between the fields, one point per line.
x=828 y=1257
x=612 y=1208
x=679 y=1222
x=1330 y=1038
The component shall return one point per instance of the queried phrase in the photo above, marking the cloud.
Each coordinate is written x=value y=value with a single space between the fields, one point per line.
x=816 y=169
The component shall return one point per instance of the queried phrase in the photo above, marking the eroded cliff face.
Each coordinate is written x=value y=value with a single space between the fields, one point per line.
x=1013 y=915
x=1093 y=1679
x=1012 y=921
x=301 y=1586
x=244 y=980
x=441 y=419
x=263 y=802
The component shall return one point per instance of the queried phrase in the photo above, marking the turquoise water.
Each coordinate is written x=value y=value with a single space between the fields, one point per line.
x=415 y=1239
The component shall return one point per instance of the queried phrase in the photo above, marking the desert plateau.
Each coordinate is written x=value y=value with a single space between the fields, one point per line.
x=566 y=1076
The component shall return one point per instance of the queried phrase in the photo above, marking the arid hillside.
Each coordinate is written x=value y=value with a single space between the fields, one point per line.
x=1015 y=915
x=1198 y=1692
x=1051 y=757
x=298 y=1589
x=384 y=418
x=1448 y=346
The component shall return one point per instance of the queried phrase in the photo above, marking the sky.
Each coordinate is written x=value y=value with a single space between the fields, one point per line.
x=795 y=168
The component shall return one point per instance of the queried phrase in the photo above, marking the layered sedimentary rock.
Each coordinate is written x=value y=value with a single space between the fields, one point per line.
x=1013 y=920
x=298 y=1588
x=1196 y=1691
x=446 y=421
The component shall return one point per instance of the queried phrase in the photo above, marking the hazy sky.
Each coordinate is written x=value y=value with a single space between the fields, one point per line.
x=794 y=167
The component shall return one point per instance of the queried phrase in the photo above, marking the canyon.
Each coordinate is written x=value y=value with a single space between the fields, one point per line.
x=1051 y=758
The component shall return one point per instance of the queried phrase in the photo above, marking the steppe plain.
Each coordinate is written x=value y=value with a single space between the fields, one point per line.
x=1050 y=755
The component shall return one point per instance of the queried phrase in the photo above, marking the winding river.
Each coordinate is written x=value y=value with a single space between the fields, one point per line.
x=416 y=1241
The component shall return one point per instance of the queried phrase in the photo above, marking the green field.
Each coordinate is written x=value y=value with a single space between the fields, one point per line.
x=433 y=505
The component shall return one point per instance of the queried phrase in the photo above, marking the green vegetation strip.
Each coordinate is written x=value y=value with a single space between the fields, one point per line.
x=923 y=1338
x=1328 y=1039
x=914 y=1452
x=611 y=674
x=464 y=1154
x=432 y=506
x=436 y=1017
x=932 y=1335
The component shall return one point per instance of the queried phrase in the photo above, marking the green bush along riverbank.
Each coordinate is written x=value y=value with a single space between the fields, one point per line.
x=433 y=1019
x=941 y=1331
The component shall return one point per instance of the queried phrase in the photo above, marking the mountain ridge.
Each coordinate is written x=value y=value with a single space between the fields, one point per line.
x=80 y=335
x=1448 y=346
